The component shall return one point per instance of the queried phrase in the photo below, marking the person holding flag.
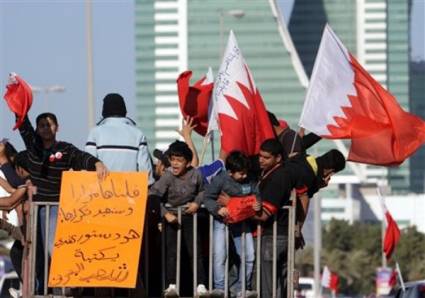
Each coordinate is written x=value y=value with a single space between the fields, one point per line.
x=47 y=157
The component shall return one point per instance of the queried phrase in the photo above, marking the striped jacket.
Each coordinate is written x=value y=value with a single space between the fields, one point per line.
x=120 y=145
x=46 y=165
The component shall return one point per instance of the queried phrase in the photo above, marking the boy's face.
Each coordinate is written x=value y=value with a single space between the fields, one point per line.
x=238 y=176
x=179 y=165
x=268 y=160
x=47 y=129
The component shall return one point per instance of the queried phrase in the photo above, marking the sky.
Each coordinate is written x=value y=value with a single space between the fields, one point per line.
x=44 y=42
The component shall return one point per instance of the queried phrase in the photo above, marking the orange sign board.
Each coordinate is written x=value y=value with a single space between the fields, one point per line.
x=99 y=230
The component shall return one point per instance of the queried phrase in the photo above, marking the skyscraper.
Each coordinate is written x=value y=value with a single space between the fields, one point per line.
x=173 y=36
x=377 y=32
x=417 y=104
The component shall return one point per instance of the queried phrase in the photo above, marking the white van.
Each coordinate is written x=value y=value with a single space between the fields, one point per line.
x=305 y=288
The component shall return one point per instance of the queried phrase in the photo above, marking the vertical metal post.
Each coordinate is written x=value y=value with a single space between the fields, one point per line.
x=210 y=259
x=317 y=244
x=33 y=249
x=226 y=272
x=90 y=80
x=274 y=261
x=146 y=253
x=291 y=247
x=163 y=252
x=46 y=247
x=179 y=244
x=258 y=259
x=195 y=250
x=243 y=259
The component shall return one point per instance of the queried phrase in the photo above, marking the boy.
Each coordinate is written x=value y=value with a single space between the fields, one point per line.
x=233 y=183
x=181 y=186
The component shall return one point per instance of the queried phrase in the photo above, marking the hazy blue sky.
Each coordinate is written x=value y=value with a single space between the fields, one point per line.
x=44 y=41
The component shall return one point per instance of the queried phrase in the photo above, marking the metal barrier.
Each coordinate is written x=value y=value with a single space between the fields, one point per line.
x=30 y=255
x=290 y=258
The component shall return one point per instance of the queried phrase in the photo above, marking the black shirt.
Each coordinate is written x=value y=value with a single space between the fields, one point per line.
x=276 y=186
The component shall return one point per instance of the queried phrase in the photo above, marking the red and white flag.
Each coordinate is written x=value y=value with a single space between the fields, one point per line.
x=238 y=106
x=195 y=100
x=18 y=97
x=330 y=280
x=343 y=101
x=392 y=232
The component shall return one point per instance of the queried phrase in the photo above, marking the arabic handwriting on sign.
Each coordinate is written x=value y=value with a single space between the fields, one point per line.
x=76 y=215
x=131 y=235
x=113 y=211
x=101 y=274
x=106 y=191
x=71 y=239
x=99 y=255
x=85 y=237
x=63 y=279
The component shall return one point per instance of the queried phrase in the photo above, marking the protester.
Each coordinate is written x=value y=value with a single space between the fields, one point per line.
x=182 y=185
x=47 y=159
x=233 y=182
x=275 y=187
x=117 y=141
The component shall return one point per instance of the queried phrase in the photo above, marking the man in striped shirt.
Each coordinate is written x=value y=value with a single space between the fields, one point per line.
x=47 y=159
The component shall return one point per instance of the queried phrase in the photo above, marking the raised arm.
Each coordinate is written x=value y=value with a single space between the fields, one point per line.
x=27 y=133
x=186 y=133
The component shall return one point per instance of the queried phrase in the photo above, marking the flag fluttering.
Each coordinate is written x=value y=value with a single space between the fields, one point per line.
x=238 y=106
x=392 y=232
x=343 y=101
x=18 y=97
x=330 y=280
x=195 y=100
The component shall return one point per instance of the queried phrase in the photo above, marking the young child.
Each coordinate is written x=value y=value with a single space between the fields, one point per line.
x=234 y=183
x=180 y=186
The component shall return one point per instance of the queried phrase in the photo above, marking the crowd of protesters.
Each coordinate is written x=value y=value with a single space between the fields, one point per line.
x=176 y=180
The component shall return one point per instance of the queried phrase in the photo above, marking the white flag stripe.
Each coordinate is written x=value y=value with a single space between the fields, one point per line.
x=326 y=277
x=331 y=82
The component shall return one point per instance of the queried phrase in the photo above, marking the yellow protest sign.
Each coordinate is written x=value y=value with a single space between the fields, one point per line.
x=99 y=230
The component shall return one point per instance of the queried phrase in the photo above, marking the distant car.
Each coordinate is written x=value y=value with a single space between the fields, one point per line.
x=414 y=289
x=305 y=288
